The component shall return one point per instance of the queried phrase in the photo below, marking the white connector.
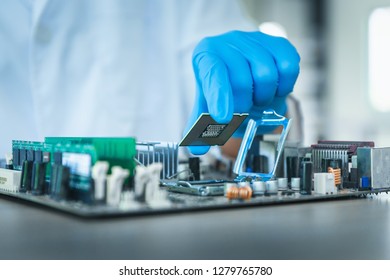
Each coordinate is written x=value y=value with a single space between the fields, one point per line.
x=147 y=185
x=114 y=184
x=10 y=180
x=324 y=183
x=8 y=159
x=99 y=176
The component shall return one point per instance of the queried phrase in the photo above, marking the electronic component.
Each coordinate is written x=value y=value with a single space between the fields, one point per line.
x=337 y=175
x=162 y=152
x=25 y=183
x=59 y=182
x=241 y=191
x=99 y=176
x=207 y=132
x=282 y=184
x=10 y=180
x=147 y=185
x=194 y=165
x=307 y=175
x=259 y=187
x=333 y=153
x=9 y=161
x=324 y=183
x=94 y=177
x=115 y=183
x=37 y=161
x=38 y=184
x=201 y=188
x=374 y=163
x=272 y=187
x=296 y=184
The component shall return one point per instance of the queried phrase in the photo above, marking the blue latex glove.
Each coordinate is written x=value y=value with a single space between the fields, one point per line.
x=242 y=72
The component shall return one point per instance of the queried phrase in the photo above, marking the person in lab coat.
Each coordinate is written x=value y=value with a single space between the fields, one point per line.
x=123 y=68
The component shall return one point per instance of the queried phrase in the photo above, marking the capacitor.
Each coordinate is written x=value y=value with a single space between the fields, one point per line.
x=353 y=177
x=272 y=186
x=259 y=187
x=38 y=178
x=292 y=167
x=194 y=165
x=25 y=182
x=307 y=174
x=59 y=183
x=296 y=184
x=282 y=184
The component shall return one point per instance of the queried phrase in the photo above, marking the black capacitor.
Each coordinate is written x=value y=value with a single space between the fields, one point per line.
x=353 y=177
x=292 y=167
x=307 y=175
x=59 y=183
x=25 y=182
x=38 y=178
x=194 y=165
x=53 y=179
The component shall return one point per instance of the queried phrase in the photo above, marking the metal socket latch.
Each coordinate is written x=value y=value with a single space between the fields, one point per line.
x=269 y=118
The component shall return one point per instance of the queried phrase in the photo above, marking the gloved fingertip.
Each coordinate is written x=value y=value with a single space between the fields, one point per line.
x=198 y=150
x=222 y=117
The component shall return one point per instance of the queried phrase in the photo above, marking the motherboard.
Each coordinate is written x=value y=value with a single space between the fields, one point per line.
x=96 y=177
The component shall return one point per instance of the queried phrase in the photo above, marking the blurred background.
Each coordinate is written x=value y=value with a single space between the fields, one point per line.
x=344 y=84
x=344 y=45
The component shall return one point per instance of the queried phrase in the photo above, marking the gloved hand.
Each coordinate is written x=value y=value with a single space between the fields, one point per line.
x=242 y=72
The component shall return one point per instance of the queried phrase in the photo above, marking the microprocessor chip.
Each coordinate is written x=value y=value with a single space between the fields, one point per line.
x=213 y=130
x=207 y=132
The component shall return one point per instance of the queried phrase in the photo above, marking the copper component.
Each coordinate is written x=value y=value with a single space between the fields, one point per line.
x=232 y=192
x=337 y=175
x=245 y=192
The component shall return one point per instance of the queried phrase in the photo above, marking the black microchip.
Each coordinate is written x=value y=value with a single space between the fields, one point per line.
x=213 y=130
x=207 y=132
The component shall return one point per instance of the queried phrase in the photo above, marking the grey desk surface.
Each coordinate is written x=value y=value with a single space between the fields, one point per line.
x=343 y=229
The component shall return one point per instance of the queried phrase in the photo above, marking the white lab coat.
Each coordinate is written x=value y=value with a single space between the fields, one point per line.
x=103 y=67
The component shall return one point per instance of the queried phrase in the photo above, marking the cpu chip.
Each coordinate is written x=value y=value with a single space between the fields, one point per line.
x=207 y=132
